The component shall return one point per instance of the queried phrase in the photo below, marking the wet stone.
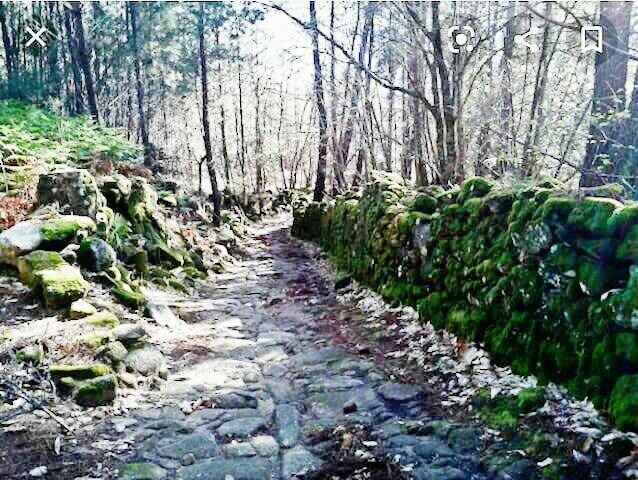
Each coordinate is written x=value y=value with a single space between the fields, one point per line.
x=438 y=473
x=298 y=461
x=465 y=440
x=201 y=445
x=233 y=400
x=243 y=449
x=265 y=445
x=274 y=370
x=280 y=390
x=241 y=427
x=287 y=418
x=399 y=392
x=223 y=469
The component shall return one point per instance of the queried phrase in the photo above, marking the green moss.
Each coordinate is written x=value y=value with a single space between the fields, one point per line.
x=31 y=354
x=623 y=403
x=473 y=188
x=78 y=372
x=592 y=215
x=593 y=277
x=93 y=340
x=530 y=399
x=102 y=319
x=521 y=270
x=628 y=249
x=31 y=264
x=424 y=203
x=58 y=232
x=127 y=296
x=177 y=285
x=96 y=391
x=557 y=209
x=627 y=348
x=193 y=273
x=62 y=286
x=622 y=220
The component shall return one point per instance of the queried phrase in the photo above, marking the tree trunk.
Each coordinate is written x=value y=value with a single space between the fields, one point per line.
x=216 y=196
x=603 y=155
x=84 y=59
x=222 y=119
x=320 y=183
x=148 y=154
x=75 y=63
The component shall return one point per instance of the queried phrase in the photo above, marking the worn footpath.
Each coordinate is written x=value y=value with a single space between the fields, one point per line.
x=267 y=381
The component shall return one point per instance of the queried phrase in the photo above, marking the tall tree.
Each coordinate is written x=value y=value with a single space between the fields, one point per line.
x=84 y=59
x=604 y=154
x=320 y=182
x=203 y=65
x=139 y=87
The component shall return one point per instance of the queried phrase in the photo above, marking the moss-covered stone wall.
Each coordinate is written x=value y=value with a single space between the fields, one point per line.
x=544 y=281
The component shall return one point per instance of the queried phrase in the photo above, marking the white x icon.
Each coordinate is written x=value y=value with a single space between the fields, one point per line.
x=36 y=37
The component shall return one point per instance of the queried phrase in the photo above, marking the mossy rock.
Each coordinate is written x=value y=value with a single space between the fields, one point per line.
x=193 y=273
x=628 y=248
x=627 y=348
x=530 y=399
x=142 y=471
x=29 y=265
x=73 y=190
x=128 y=296
x=58 y=232
x=80 y=309
x=592 y=215
x=473 y=188
x=93 y=340
x=103 y=318
x=424 y=203
x=62 y=286
x=557 y=209
x=78 y=372
x=95 y=391
x=177 y=285
x=31 y=354
x=96 y=255
x=623 y=403
x=142 y=201
x=622 y=221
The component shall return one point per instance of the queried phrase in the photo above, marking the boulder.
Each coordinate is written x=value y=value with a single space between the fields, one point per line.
x=96 y=255
x=73 y=190
x=116 y=189
x=22 y=238
x=60 y=283
x=95 y=391
x=147 y=361
x=30 y=265
x=142 y=201
x=62 y=286
x=59 y=232
x=129 y=333
x=52 y=234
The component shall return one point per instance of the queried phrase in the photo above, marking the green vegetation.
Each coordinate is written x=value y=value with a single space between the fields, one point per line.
x=28 y=133
x=544 y=281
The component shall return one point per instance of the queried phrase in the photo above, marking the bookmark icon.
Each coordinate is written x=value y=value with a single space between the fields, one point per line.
x=591 y=38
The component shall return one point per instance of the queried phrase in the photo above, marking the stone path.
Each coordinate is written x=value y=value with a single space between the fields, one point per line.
x=269 y=394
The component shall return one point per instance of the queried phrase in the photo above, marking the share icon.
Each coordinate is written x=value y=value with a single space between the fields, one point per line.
x=522 y=39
